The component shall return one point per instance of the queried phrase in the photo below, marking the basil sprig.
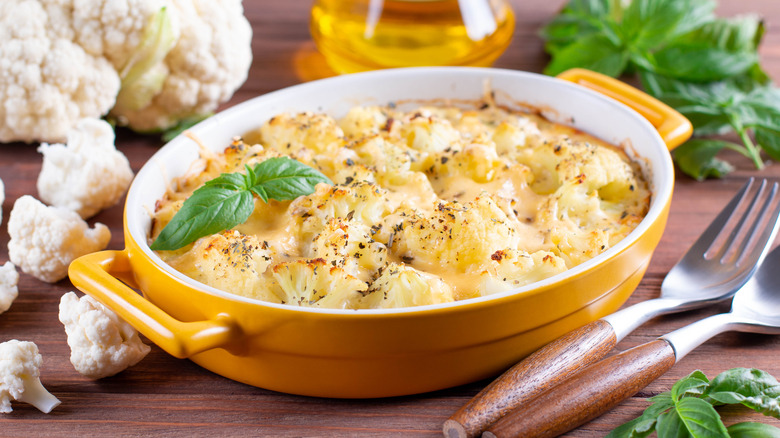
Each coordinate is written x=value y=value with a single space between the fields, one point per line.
x=227 y=200
x=704 y=66
x=687 y=411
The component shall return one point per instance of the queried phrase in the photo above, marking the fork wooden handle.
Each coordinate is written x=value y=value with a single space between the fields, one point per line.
x=540 y=371
x=592 y=392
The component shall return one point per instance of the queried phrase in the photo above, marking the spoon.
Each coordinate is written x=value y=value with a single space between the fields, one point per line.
x=603 y=385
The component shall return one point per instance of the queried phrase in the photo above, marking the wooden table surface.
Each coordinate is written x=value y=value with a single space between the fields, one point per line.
x=164 y=396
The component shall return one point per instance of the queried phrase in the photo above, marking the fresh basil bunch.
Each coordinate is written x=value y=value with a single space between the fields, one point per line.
x=704 y=66
x=228 y=200
x=688 y=409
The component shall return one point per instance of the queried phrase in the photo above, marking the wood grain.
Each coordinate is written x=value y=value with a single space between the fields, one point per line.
x=587 y=395
x=168 y=397
x=539 y=372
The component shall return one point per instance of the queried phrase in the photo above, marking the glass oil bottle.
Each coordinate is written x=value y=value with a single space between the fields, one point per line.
x=359 y=35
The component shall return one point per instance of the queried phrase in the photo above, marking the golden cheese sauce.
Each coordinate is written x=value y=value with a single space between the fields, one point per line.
x=430 y=205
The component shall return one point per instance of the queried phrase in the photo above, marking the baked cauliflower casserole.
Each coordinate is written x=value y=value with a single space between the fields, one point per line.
x=428 y=206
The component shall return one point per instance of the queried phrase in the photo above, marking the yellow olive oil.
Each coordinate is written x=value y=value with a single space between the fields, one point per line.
x=358 y=35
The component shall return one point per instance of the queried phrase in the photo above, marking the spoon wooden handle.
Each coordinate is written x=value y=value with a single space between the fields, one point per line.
x=540 y=371
x=587 y=395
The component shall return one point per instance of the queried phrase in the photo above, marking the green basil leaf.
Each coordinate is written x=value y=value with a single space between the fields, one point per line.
x=644 y=425
x=701 y=63
x=687 y=410
x=670 y=425
x=229 y=181
x=760 y=108
x=696 y=158
x=753 y=388
x=769 y=141
x=707 y=123
x=700 y=418
x=711 y=107
x=694 y=384
x=282 y=178
x=599 y=9
x=595 y=52
x=639 y=427
x=227 y=201
x=734 y=34
x=648 y=24
x=565 y=29
x=581 y=18
x=753 y=430
x=207 y=211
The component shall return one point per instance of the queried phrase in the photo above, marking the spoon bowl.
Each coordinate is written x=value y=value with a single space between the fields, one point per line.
x=758 y=302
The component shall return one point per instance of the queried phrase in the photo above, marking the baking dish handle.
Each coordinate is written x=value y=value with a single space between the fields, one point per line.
x=673 y=127
x=98 y=275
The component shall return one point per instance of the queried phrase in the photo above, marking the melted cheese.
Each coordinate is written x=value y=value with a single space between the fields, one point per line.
x=428 y=206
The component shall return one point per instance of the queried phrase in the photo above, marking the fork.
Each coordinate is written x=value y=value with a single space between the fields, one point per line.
x=722 y=260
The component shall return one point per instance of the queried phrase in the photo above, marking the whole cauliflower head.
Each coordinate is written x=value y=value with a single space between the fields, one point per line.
x=45 y=240
x=9 y=290
x=48 y=81
x=101 y=343
x=209 y=61
x=20 y=364
x=87 y=174
x=155 y=62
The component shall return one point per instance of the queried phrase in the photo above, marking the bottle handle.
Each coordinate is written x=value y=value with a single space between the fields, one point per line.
x=673 y=127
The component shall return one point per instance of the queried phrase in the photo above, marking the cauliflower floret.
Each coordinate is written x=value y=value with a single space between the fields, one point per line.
x=348 y=244
x=86 y=175
x=365 y=120
x=315 y=283
x=392 y=164
x=453 y=234
x=115 y=30
x=511 y=268
x=45 y=240
x=391 y=161
x=399 y=285
x=101 y=343
x=311 y=138
x=208 y=62
x=597 y=191
x=428 y=133
x=9 y=279
x=229 y=261
x=156 y=62
x=364 y=202
x=511 y=136
x=478 y=162
x=20 y=364
x=352 y=173
x=47 y=80
x=576 y=245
